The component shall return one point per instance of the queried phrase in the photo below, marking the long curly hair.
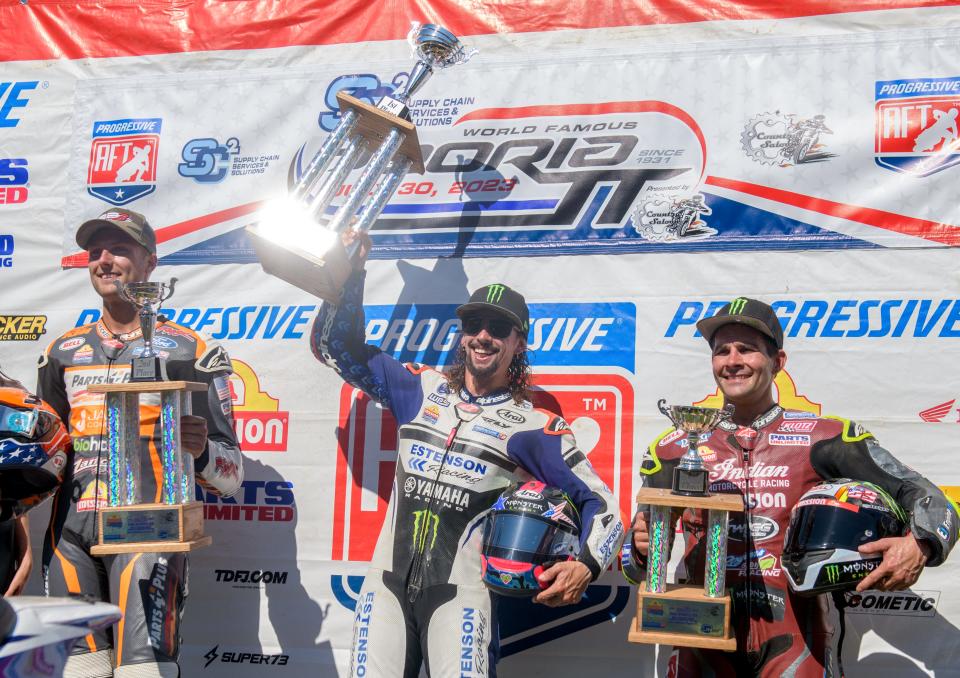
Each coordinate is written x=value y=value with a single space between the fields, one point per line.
x=519 y=374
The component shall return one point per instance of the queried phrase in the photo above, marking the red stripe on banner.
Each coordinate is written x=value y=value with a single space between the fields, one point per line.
x=166 y=233
x=57 y=29
x=648 y=106
x=945 y=234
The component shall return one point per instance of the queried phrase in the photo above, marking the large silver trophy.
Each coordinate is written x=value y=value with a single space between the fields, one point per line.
x=676 y=614
x=147 y=296
x=133 y=522
x=690 y=478
x=298 y=239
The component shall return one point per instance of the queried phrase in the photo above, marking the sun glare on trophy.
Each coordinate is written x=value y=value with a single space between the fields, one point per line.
x=288 y=222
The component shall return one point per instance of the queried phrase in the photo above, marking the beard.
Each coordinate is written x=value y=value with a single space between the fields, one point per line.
x=483 y=374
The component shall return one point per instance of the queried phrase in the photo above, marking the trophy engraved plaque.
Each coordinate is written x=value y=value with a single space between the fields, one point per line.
x=680 y=614
x=127 y=524
x=297 y=239
x=147 y=296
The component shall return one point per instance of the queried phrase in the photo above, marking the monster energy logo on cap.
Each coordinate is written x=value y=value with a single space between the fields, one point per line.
x=499 y=299
x=495 y=293
x=745 y=311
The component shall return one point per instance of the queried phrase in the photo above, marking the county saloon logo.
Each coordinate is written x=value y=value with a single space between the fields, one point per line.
x=260 y=425
x=123 y=159
x=916 y=126
x=564 y=175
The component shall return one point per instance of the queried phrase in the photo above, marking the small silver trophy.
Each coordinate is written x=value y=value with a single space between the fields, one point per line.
x=298 y=239
x=147 y=296
x=690 y=478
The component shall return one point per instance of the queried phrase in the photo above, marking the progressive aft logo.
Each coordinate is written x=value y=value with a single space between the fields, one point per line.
x=260 y=425
x=598 y=407
x=568 y=175
x=917 y=125
x=123 y=159
x=14 y=181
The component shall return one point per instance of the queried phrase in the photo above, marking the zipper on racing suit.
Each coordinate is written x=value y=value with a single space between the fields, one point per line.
x=415 y=581
x=748 y=534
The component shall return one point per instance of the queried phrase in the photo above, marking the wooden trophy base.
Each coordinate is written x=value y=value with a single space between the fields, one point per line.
x=322 y=277
x=683 y=616
x=151 y=528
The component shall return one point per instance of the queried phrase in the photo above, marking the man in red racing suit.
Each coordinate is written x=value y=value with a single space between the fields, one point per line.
x=150 y=588
x=771 y=456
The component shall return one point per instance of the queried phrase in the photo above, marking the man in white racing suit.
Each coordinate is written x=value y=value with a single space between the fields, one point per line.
x=464 y=436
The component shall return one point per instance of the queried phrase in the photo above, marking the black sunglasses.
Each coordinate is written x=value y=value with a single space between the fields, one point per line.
x=496 y=327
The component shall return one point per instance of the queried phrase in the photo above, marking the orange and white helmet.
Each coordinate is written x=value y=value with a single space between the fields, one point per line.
x=33 y=451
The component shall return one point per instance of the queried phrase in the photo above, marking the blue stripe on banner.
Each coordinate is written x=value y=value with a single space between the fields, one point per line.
x=739 y=227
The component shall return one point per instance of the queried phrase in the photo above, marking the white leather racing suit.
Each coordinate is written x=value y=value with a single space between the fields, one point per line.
x=423 y=597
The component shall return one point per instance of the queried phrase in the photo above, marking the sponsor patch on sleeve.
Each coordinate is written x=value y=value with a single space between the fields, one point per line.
x=215 y=359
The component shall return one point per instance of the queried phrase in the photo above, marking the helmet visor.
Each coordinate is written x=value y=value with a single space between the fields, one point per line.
x=526 y=538
x=837 y=525
x=18 y=421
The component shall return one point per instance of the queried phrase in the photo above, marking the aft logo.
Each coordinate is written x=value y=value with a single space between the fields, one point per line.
x=13 y=95
x=917 y=125
x=598 y=407
x=14 y=181
x=123 y=159
x=260 y=424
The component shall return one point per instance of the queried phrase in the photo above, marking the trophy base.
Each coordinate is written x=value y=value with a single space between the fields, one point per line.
x=684 y=616
x=320 y=276
x=150 y=528
x=691 y=482
x=148 y=368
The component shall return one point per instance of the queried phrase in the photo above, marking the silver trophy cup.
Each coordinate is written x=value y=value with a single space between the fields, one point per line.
x=147 y=296
x=298 y=239
x=690 y=477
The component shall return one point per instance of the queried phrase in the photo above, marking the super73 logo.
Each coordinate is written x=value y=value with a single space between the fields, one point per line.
x=425 y=523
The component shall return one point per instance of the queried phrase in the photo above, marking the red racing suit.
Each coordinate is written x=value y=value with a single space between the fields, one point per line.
x=771 y=464
x=150 y=588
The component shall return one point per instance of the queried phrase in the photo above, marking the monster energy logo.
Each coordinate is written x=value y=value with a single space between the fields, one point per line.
x=833 y=573
x=737 y=305
x=494 y=293
x=424 y=522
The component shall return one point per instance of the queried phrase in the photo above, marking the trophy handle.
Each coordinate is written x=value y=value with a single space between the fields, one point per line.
x=662 y=406
x=166 y=291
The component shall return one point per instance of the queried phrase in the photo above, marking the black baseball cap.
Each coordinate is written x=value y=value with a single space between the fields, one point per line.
x=744 y=311
x=501 y=300
x=132 y=223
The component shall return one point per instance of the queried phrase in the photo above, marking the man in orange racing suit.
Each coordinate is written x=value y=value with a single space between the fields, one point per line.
x=772 y=456
x=150 y=588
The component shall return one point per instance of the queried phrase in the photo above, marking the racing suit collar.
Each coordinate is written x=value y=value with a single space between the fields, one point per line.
x=767 y=417
x=105 y=333
x=495 y=398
